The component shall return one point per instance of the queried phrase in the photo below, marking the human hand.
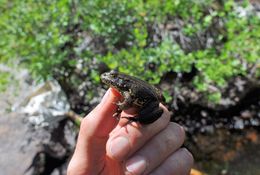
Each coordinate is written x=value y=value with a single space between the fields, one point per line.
x=108 y=147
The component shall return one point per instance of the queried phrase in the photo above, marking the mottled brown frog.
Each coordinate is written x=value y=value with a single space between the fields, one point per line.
x=137 y=93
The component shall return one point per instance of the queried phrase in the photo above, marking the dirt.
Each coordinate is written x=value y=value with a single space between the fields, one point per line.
x=228 y=153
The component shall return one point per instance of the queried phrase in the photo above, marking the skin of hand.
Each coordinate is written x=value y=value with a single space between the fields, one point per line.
x=107 y=146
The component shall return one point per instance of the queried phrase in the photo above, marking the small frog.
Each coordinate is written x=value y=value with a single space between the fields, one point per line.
x=136 y=93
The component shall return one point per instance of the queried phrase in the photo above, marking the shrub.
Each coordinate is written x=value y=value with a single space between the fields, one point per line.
x=59 y=39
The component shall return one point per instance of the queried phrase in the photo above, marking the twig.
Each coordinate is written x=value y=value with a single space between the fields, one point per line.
x=74 y=117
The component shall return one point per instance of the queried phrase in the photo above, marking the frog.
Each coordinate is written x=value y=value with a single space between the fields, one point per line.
x=136 y=93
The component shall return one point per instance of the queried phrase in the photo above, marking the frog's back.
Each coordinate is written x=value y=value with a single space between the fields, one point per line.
x=142 y=89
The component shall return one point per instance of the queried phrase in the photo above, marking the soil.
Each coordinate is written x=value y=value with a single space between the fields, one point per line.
x=227 y=153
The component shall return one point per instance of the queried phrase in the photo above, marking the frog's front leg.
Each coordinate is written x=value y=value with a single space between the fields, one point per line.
x=125 y=104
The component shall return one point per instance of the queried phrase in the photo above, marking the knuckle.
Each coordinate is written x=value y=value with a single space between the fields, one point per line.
x=162 y=122
x=84 y=123
x=166 y=116
x=166 y=113
x=174 y=136
x=177 y=130
x=188 y=157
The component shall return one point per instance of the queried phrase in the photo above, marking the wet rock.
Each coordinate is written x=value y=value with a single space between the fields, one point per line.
x=14 y=159
x=40 y=140
x=50 y=129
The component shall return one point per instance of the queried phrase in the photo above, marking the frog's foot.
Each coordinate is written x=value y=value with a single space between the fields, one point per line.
x=149 y=114
x=117 y=114
x=150 y=117
x=130 y=119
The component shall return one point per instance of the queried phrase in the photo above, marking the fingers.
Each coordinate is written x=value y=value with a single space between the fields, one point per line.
x=156 y=150
x=93 y=135
x=159 y=148
x=178 y=163
x=126 y=140
x=99 y=121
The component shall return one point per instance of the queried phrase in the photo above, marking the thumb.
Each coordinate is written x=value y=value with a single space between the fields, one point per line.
x=93 y=135
x=100 y=122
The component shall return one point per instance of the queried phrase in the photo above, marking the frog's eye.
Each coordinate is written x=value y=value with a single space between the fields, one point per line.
x=113 y=73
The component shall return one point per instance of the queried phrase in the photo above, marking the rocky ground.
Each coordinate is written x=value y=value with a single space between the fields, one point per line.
x=16 y=154
x=24 y=147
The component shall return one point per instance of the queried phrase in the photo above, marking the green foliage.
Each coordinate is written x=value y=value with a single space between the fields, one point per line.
x=111 y=21
x=47 y=37
x=33 y=31
x=164 y=58
x=241 y=49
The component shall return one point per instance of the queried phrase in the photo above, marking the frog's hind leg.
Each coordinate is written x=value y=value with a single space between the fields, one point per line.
x=148 y=114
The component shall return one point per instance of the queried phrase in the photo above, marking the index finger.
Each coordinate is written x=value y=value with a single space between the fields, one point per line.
x=136 y=135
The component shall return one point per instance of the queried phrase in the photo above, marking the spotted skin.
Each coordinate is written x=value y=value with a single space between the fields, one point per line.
x=137 y=93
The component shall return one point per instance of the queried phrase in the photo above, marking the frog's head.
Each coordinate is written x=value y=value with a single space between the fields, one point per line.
x=116 y=80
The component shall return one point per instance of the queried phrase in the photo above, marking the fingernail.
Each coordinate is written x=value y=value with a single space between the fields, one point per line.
x=119 y=147
x=136 y=165
x=105 y=97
